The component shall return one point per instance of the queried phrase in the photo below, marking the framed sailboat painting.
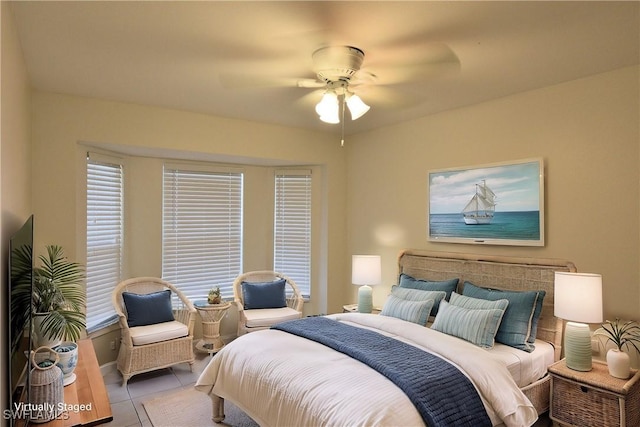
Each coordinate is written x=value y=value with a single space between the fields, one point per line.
x=495 y=204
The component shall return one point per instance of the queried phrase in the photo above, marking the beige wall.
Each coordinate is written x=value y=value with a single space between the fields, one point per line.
x=15 y=156
x=16 y=148
x=63 y=127
x=587 y=133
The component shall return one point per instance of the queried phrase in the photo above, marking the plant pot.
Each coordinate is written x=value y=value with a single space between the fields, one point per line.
x=68 y=355
x=42 y=340
x=619 y=364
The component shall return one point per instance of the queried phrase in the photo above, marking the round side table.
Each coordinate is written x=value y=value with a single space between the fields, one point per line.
x=211 y=315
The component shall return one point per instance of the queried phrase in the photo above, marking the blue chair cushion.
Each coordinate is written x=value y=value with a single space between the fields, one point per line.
x=264 y=294
x=148 y=309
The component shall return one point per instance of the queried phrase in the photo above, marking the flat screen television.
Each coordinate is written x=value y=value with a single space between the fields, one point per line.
x=19 y=306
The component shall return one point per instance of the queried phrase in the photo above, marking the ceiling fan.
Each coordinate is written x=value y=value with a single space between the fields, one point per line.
x=335 y=66
x=339 y=75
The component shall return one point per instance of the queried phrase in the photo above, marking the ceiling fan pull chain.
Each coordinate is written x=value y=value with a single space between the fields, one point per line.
x=342 y=123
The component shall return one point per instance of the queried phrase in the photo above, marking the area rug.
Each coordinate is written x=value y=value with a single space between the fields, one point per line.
x=192 y=408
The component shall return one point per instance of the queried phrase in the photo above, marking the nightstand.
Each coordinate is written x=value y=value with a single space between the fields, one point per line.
x=353 y=308
x=593 y=398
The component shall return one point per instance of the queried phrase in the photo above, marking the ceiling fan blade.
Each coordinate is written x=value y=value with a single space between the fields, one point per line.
x=393 y=67
x=385 y=97
x=237 y=81
x=310 y=99
x=311 y=83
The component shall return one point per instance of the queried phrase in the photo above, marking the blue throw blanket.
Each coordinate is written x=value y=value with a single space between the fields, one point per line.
x=442 y=394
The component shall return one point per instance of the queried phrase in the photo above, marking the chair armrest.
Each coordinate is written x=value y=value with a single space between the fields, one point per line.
x=125 y=334
x=240 y=307
x=186 y=316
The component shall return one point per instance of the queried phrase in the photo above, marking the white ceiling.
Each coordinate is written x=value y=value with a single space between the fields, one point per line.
x=172 y=54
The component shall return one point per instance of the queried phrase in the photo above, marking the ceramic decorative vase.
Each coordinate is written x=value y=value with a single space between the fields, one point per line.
x=619 y=363
x=68 y=354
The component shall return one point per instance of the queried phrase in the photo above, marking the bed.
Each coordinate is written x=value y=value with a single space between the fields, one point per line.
x=280 y=378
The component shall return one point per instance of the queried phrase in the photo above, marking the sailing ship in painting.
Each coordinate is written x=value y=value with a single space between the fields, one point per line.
x=481 y=207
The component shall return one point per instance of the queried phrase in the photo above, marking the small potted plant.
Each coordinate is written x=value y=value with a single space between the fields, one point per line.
x=214 y=296
x=621 y=334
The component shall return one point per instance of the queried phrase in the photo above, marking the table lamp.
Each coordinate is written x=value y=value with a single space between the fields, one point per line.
x=578 y=300
x=366 y=271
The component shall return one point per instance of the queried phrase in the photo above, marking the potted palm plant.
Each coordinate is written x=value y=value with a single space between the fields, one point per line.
x=621 y=334
x=58 y=298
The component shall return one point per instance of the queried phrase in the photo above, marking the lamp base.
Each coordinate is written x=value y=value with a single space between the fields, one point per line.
x=577 y=346
x=365 y=299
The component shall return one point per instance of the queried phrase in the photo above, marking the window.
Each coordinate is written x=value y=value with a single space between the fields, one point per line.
x=292 y=228
x=104 y=237
x=202 y=229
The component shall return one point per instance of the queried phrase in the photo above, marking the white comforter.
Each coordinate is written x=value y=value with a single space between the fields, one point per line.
x=282 y=380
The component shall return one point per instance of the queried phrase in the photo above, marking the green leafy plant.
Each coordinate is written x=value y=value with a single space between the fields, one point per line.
x=214 y=296
x=621 y=334
x=58 y=295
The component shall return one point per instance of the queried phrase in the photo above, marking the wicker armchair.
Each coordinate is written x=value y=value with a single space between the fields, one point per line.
x=149 y=347
x=250 y=320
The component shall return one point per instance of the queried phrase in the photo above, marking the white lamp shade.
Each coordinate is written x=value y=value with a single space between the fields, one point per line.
x=578 y=297
x=357 y=107
x=366 y=270
x=331 y=118
x=329 y=108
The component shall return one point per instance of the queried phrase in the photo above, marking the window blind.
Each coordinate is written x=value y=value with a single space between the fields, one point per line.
x=202 y=229
x=292 y=228
x=104 y=237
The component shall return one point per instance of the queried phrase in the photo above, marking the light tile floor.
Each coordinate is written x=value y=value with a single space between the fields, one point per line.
x=126 y=402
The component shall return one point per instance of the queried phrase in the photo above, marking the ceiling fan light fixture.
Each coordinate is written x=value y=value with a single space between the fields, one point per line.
x=331 y=118
x=329 y=108
x=357 y=107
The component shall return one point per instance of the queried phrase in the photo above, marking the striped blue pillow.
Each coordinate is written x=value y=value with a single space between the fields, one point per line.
x=478 y=326
x=419 y=295
x=411 y=311
x=469 y=302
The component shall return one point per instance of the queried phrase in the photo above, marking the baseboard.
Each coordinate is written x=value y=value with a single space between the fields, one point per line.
x=108 y=368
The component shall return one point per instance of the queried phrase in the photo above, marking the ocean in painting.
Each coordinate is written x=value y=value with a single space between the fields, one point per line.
x=505 y=225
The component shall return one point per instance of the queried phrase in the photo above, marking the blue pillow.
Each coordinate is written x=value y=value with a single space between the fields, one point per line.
x=419 y=295
x=536 y=317
x=448 y=286
x=411 y=311
x=264 y=294
x=478 y=326
x=148 y=309
x=517 y=325
x=477 y=303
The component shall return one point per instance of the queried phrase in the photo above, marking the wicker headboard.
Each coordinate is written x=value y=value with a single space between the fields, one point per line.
x=498 y=272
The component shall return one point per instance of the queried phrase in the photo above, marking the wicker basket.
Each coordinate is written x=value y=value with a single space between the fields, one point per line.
x=538 y=394
x=46 y=394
